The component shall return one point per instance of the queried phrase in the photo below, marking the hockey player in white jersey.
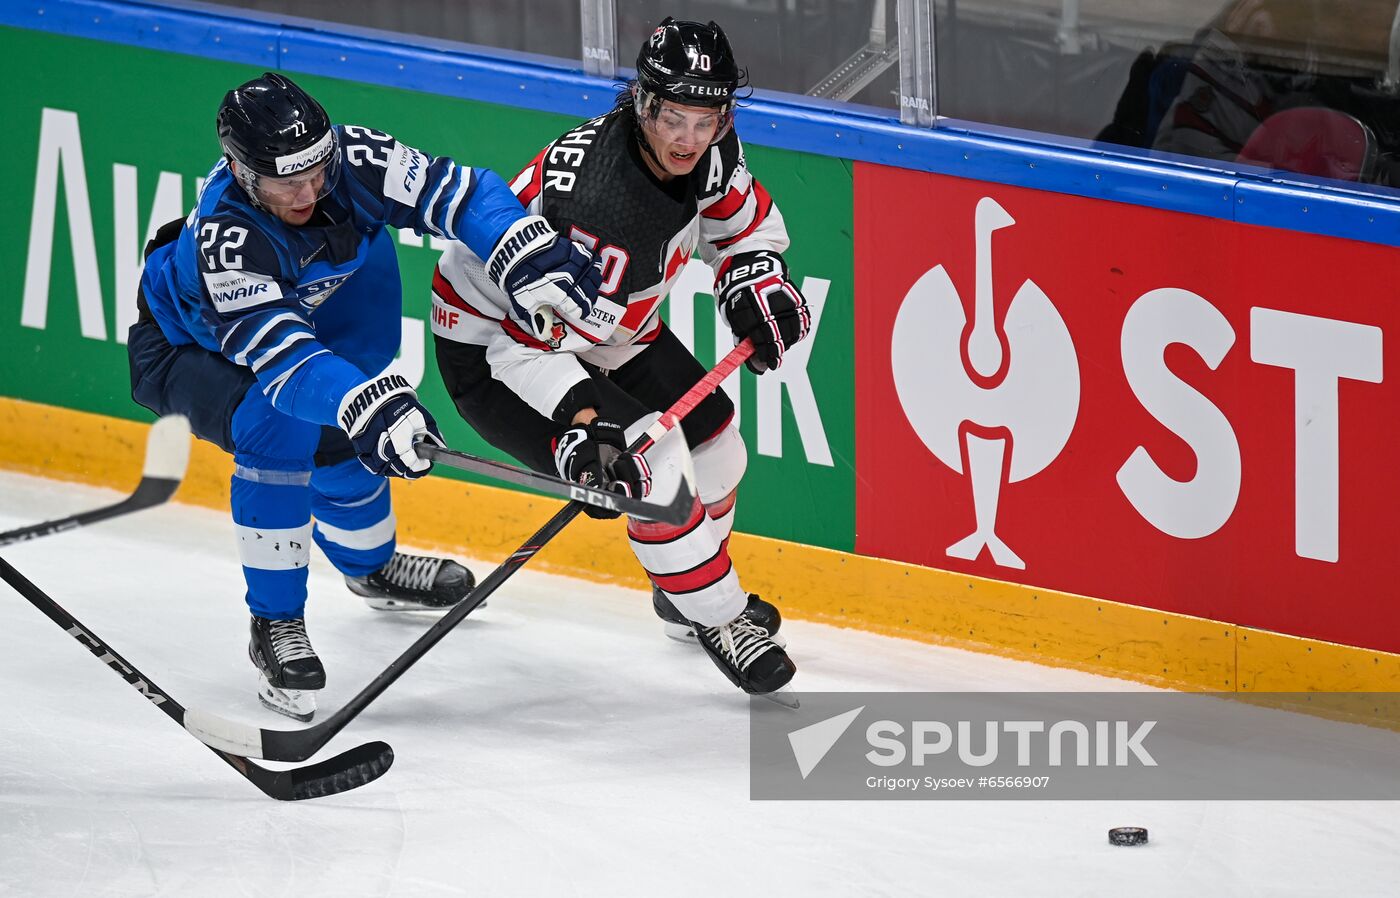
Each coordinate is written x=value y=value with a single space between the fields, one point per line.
x=659 y=177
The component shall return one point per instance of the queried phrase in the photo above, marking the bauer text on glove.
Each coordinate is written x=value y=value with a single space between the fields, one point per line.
x=595 y=454
x=758 y=301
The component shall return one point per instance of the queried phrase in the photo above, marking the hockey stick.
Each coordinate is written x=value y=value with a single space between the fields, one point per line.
x=298 y=745
x=167 y=454
x=677 y=512
x=344 y=772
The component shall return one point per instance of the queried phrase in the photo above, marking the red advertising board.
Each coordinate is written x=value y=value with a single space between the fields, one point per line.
x=1144 y=406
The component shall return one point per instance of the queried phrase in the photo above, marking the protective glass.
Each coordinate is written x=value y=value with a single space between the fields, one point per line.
x=673 y=123
x=295 y=191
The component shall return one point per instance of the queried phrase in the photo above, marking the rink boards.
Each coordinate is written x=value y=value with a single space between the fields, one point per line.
x=888 y=597
x=1164 y=457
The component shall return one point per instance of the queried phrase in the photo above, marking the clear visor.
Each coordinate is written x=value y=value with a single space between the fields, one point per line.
x=689 y=125
x=293 y=191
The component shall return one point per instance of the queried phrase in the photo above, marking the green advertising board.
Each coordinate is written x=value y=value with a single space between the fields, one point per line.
x=98 y=162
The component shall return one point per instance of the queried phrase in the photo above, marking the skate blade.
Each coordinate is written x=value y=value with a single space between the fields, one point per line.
x=679 y=632
x=686 y=634
x=381 y=603
x=785 y=697
x=298 y=704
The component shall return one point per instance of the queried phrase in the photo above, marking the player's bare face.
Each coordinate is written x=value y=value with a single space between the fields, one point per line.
x=678 y=135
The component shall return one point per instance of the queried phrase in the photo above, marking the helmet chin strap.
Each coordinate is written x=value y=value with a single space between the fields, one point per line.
x=640 y=99
x=646 y=146
x=247 y=181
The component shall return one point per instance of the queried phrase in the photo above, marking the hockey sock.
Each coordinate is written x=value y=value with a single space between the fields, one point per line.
x=690 y=563
x=355 y=524
x=272 y=519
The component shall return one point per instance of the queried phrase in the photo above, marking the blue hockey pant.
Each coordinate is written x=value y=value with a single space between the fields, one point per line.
x=286 y=471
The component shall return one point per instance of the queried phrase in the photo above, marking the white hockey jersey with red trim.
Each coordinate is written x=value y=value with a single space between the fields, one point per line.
x=593 y=185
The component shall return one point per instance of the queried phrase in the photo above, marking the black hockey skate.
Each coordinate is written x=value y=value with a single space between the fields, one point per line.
x=288 y=670
x=743 y=650
x=678 y=628
x=414 y=583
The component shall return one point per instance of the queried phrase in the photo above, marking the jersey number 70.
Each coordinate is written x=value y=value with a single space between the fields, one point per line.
x=614 y=259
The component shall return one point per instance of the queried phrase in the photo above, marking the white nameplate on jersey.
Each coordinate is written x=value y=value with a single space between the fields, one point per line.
x=406 y=176
x=295 y=162
x=604 y=318
x=234 y=290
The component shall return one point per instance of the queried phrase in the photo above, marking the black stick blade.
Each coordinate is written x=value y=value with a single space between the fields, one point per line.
x=357 y=767
x=350 y=770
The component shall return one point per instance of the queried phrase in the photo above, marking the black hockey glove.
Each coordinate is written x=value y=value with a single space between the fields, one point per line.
x=384 y=419
x=759 y=302
x=537 y=267
x=595 y=454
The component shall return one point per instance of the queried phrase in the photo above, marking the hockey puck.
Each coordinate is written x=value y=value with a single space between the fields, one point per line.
x=1127 y=835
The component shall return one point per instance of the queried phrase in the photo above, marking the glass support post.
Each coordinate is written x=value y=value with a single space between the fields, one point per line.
x=1068 y=33
x=918 y=89
x=1391 y=81
x=599 y=25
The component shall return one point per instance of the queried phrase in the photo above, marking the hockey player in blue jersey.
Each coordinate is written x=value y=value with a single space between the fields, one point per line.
x=268 y=317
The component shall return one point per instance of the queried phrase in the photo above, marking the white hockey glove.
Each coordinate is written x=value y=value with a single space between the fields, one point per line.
x=758 y=301
x=384 y=419
x=539 y=270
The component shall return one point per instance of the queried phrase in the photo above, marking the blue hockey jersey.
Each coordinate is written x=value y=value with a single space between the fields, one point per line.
x=241 y=282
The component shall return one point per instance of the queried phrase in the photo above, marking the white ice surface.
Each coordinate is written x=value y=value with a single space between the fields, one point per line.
x=554 y=744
